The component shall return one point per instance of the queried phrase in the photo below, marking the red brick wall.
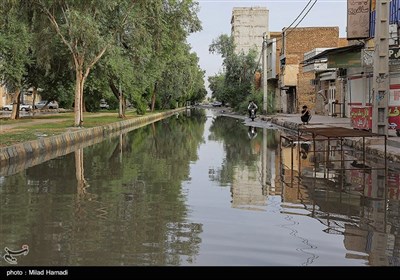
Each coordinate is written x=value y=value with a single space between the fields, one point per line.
x=301 y=40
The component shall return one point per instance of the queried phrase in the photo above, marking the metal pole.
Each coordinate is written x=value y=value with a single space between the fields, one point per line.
x=265 y=73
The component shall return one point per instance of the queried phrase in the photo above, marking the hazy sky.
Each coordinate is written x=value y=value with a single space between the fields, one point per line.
x=216 y=20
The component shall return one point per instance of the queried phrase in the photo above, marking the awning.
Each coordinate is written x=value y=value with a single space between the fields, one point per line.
x=324 y=54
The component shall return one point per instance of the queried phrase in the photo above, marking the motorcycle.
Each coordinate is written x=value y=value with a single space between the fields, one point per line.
x=252 y=132
x=252 y=114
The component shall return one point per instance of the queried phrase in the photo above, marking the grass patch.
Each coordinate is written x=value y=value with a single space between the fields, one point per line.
x=99 y=121
x=16 y=137
x=33 y=128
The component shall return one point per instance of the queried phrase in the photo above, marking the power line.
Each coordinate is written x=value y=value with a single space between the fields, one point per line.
x=285 y=35
x=300 y=14
x=300 y=20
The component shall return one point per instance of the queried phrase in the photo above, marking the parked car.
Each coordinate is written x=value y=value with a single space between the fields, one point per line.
x=104 y=105
x=217 y=104
x=22 y=107
x=51 y=105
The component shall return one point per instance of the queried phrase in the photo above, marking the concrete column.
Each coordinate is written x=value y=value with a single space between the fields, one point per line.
x=381 y=84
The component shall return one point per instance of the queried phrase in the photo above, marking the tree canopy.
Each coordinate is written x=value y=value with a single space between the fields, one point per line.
x=235 y=85
x=120 y=50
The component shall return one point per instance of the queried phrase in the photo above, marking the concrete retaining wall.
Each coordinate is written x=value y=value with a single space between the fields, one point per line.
x=18 y=157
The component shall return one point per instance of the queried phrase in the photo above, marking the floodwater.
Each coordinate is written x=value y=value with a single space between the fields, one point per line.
x=192 y=190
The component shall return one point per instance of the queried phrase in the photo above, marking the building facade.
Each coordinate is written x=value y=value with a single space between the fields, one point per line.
x=273 y=48
x=329 y=83
x=248 y=26
x=352 y=83
x=294 y=83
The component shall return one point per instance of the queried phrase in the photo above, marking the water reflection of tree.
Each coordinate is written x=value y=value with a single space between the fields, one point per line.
x=133 y=213
x=237 y=145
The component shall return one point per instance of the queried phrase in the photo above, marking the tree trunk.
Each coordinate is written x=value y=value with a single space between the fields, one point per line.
x=153 y=97
x=15 y=101
x=83 y=104
x=122 y=107
x=121 y=99
x=34 y=93
x=78 y=98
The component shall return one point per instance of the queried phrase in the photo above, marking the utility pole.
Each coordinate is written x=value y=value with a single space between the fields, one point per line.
x=381 y=84
x=265 y=73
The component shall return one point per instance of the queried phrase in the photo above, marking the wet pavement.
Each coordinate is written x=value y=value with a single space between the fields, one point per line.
x=293 y=122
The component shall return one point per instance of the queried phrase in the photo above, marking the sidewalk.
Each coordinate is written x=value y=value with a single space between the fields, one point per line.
x=293 y=121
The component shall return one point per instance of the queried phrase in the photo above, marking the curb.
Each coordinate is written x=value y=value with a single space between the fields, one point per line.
x=20 y=156
x=375 y=150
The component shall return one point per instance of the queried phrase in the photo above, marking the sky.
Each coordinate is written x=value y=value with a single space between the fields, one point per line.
x=216 y=20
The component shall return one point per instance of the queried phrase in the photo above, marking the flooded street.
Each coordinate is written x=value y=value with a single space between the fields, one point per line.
x=192 y=190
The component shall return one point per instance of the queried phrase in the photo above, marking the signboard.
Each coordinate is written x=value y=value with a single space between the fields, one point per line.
x=394 y=53
x=367 y=57
x=394 y=96
x=344 y=60
x=358 y=19
x=361 y=117
x=394 y=117
x=394 y=108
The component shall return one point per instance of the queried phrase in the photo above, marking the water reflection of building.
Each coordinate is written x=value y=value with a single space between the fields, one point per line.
x=359 y=203
x=270 y=164
x=253 y=184
x=247 y=192
x=291 y=160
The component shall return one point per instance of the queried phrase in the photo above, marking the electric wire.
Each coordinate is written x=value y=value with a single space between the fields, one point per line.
x=288 y=28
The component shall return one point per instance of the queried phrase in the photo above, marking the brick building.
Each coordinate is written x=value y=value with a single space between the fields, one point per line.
x=294 y=85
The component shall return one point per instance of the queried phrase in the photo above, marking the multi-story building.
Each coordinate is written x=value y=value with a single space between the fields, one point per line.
x=273 y=48
x=360 y=73
x=328 y=83
x=248 y=26
x=294 y=83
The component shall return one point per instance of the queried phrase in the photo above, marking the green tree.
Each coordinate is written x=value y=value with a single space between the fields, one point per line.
x=50 y=74
x=173 y=22
x=217 y=86
x=182 y=80
x=151 y=57
x=87 y=28
x=14 y=49
x=238 y=75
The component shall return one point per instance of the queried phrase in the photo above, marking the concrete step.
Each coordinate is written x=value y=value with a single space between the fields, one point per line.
x=393 y=142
